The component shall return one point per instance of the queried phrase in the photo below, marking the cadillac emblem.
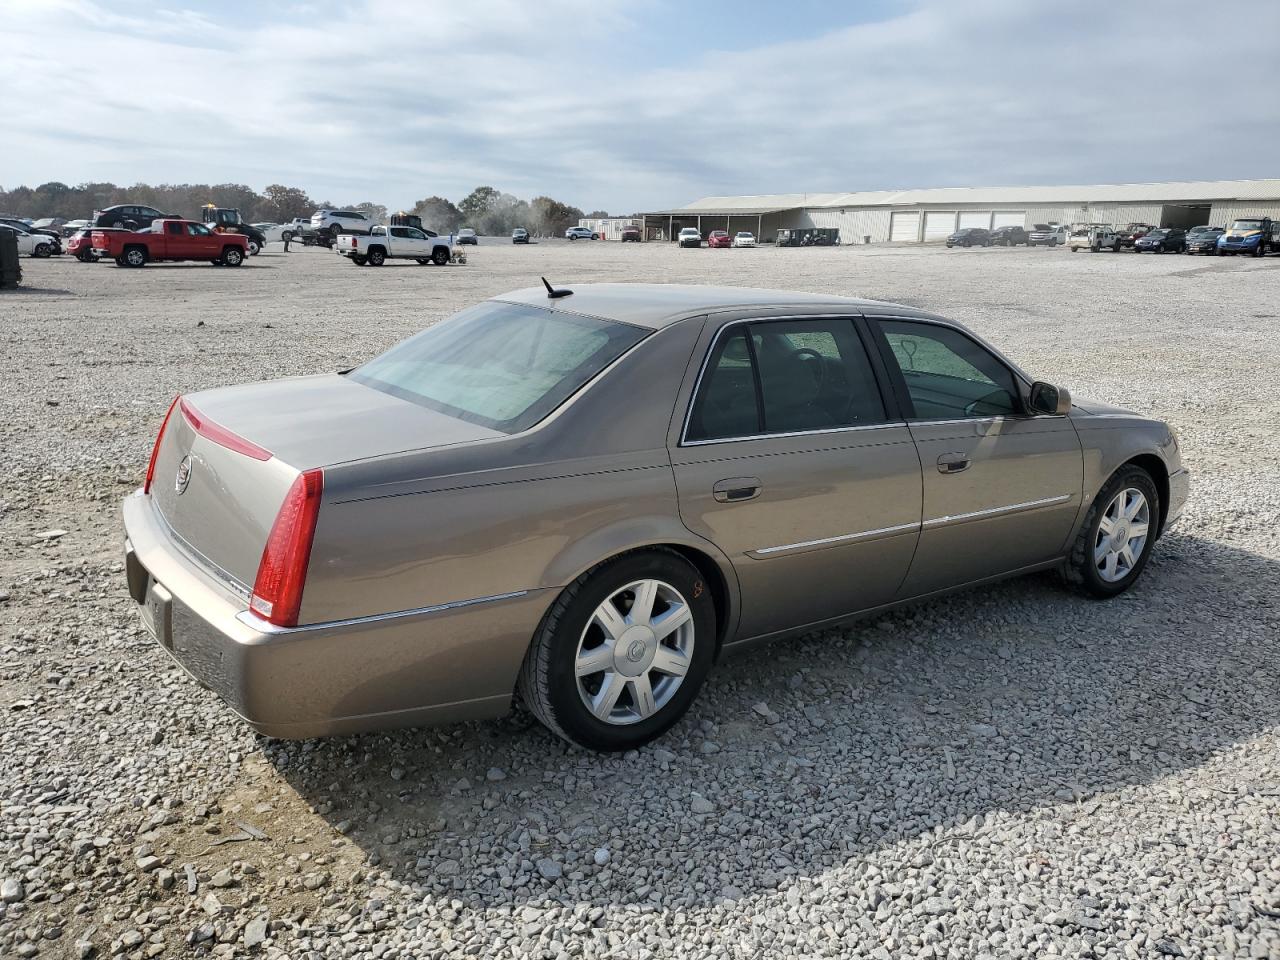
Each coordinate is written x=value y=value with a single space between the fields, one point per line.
x=184 y=476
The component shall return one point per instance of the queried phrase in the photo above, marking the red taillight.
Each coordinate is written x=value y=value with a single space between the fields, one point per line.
x=220 y=434
x=282 y=573
x=155 y=451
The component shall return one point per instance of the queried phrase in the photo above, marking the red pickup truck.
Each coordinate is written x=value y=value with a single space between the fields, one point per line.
x=171 y=240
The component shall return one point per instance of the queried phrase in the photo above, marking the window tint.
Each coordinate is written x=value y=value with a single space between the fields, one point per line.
x=727 y=403
x=198 y=230
x=502 y=365
x=175 y=228
x=948 y=376
x=402 y=232
x=793 y=376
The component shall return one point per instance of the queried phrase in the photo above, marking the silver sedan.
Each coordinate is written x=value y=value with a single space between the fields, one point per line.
x=585 y=498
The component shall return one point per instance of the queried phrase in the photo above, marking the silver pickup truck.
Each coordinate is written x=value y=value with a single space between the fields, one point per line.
x=384 y=243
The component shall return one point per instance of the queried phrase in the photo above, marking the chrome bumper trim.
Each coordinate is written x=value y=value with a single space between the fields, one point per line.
x=255 y=622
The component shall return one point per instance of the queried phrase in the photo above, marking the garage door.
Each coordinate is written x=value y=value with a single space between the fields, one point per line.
x=975 y=218
x=905 y=226
x=939 y=226
x=1010 y=218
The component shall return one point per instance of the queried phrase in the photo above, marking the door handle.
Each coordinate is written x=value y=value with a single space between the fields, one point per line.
x=954 y=463
x=735 y=489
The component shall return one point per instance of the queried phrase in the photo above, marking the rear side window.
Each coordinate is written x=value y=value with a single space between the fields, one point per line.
x=947 y=375
x=790 y=376
x=174 y=228
x=502 y=365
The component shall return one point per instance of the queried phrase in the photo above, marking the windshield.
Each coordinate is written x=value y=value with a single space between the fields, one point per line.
x=502 y=365
x=1247 y=225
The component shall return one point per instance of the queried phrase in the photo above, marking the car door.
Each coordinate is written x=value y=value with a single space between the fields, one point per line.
x=1002 y=488
x=202 y=243
x=793 y=461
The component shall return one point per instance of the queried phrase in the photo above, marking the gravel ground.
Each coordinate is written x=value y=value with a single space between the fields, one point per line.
x=1012 y=772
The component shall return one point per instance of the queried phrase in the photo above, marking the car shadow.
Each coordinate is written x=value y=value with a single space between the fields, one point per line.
x=813 y=753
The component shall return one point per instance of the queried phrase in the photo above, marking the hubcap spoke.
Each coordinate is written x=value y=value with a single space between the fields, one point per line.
x=1106 y=525
x=646 y=591
x=1137 y=531
x=610 y=620
x=670 y=621
x=642 y=695
x=603 y=702
x=594 y=660
x=1127 y=555
x=1109 y=570
x=672 y=662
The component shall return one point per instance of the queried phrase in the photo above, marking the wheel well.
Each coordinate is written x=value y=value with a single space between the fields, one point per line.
x=1159 y=474
x=710 y=570
x=374 y=246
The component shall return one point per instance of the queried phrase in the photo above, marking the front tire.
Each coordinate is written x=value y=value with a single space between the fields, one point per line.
x=622 y=652
x=1115 y=541
x=43 y=250
x=232 y=257
x=439 y=256
x=255 y=248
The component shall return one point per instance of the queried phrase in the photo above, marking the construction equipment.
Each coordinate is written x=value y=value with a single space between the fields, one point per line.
x=227 y=220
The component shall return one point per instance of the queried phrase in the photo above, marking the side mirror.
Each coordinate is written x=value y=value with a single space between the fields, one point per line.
x=1046 y=398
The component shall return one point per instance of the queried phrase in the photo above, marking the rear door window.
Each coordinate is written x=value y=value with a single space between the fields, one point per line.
x=947 y=375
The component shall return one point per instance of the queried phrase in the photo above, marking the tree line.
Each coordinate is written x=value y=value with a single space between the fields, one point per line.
x=486 y=210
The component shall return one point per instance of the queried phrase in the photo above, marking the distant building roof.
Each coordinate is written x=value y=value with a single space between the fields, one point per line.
x=1176 y=192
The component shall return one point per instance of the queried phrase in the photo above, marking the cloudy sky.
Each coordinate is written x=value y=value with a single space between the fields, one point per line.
x=637 y=105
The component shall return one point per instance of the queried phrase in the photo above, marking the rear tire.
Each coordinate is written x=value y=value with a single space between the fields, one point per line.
x=1126 y=508
x=633 y=699
x=423 y=261
x=135 y=257
x=439 y=256
x=1260 y=250
x=376 y=257
x=360 y=261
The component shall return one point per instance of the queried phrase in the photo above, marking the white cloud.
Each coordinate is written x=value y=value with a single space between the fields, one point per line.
x=393 y=101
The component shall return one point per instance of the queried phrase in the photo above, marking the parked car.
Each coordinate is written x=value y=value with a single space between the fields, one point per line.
x=393 y=243
x=1008 y=236
x=1162 y=240
x=631 y=233
x=426 y=536
x=969 y=237
x=580 y=233
x=744 y=238
x=719 y=238
x=71 y=227
x=130 y=216
x=171 y=239
x=330 y=223
x=689 y=237
x=29 y=244
x=1252 y=235
x=53 y=224
x=520 y=235
x=1094 y=238
x=1047 y=235
x=1134 y=232
x=80 y=245
x=52 y=237
x=1203 y=239
x=467 y=236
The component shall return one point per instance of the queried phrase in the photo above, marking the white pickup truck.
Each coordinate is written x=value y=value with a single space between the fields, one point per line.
x=383 y=243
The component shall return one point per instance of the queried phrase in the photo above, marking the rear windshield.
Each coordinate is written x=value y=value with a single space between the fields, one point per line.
x=502 y=365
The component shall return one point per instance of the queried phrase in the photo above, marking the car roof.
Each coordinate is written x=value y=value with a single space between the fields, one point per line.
x=656 y=305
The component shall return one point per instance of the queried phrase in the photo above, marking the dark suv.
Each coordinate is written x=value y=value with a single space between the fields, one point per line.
x=1009 y=236
x=970 y=237
x=1164 y=240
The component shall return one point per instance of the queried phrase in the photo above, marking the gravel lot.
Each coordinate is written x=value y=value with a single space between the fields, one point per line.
x=1012 y=772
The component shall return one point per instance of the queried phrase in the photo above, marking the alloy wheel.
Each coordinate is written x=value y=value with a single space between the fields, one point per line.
x=1122 y=535
x=635 y=651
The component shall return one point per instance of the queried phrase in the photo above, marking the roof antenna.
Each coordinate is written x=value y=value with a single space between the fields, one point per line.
x=554 y=294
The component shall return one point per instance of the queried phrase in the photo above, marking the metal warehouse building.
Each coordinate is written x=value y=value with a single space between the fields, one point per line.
x=921 y=216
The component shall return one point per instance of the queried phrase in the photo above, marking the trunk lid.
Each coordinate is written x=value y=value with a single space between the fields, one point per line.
x=228 y=456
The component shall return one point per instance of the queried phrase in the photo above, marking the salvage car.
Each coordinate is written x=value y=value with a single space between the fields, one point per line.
x=744 y=238
x=1203 y=239
x=519 y=235
x=1047 y=235
x=689 y=237
x=631 y=233
x=467 y=236
x=1162 y=240
x=585 y=498
x=969 y=237
x=719 y=238
x=1093 y=237
x=29 y=244
x=170 y=240
x=130 y=216
x=1008 y=236
x=581 y=233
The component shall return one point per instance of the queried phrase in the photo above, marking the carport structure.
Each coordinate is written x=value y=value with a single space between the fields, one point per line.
x=667 y=224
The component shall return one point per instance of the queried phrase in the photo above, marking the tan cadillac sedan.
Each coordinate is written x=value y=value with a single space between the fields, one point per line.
x=585 y=498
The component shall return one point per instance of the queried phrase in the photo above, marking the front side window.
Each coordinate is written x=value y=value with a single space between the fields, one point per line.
x=792 y=376
x=502 y=365
x=401 y=232
x=198 y=230
x=947 y=375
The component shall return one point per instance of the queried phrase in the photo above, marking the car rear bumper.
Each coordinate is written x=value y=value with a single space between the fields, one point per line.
x=441 y=664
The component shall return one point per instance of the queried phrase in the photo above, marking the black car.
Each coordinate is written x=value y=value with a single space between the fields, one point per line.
x=970 y=237
x=1164 y=240
x=131 y=216
x=1009 y=236
x=1203 y=240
